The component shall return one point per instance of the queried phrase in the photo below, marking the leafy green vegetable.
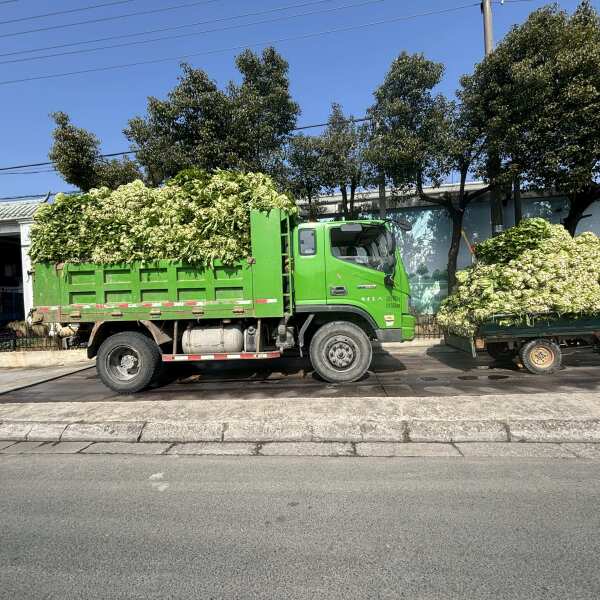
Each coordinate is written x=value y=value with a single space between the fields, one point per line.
x=197 y=217
x=533 y=269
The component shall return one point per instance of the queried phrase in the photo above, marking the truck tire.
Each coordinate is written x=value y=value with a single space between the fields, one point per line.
x=541 y=357
x=128 y=362
x=500 y=351
x=340 y=352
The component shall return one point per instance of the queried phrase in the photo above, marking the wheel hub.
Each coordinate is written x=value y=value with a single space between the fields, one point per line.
x=542 y=357
x=123 y=363
x=341 y=354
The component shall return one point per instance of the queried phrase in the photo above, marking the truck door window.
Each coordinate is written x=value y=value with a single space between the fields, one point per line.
x=367 y=245
x=307 y=242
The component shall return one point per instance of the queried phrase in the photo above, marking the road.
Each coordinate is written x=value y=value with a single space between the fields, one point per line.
x=162 y=527
x=403 y=373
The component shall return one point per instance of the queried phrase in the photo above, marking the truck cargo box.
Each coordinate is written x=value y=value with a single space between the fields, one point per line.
x=257 y=287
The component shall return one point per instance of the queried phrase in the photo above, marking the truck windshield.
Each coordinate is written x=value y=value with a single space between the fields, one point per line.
x=372 y=246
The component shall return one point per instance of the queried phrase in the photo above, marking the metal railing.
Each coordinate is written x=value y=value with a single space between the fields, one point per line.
x=427 y=327
x=12 y=342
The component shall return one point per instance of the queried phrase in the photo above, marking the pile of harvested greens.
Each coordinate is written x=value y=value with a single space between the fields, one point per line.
x=533 y=269
x=196 y=217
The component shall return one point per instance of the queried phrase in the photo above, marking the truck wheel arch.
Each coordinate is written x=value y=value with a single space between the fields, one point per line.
x=104 y=329
x=320 y=314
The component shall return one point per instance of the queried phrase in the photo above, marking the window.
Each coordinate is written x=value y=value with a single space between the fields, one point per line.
x=371 y=246
x=308 y=242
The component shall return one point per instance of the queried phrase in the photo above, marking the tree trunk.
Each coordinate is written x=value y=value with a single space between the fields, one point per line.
x=344 y=201
x=352 y=194
x=518 y=202
x=382 y=198
x=456 y=215
x=578 y=204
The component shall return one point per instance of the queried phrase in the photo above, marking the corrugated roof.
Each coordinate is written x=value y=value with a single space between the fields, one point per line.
x=23 y=208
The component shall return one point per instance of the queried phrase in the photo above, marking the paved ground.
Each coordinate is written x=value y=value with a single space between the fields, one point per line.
x=409 y=373
x=22 y=377
x=167 y=527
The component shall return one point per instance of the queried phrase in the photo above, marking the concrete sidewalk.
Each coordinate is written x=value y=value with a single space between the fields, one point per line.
x=571 y=417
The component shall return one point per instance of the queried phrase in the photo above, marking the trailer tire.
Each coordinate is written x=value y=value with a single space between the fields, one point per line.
x=500 y=351
x=541 y=357
x=128 y=362
x=340 y=352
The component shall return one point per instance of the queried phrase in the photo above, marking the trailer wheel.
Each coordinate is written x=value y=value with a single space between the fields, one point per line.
x=541 y=357
x=500 y=351
x=340 y=352
x=127 y=362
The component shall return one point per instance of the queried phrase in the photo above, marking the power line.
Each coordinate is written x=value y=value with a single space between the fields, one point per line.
x=64 y=12
x=213 y=30
x=112 y=18
x=112 y=154
x=163 y=29
x=242 y=46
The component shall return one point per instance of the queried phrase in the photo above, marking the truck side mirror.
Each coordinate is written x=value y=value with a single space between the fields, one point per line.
x=388 y=281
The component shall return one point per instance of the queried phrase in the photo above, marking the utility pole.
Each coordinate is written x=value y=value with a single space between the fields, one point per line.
x=496 y=210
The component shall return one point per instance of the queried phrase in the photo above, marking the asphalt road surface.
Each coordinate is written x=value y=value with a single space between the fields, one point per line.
x=404 y=373
x=108 y=527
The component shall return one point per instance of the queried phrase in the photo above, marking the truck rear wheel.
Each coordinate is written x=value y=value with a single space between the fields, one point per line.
x=127 y=362
x=340 y=352
x=541 y=357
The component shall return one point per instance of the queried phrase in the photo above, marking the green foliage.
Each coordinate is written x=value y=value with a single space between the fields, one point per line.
x=75 y=153
x=553 y=274
x=514 y=241
x=243 y=127
x=343 y=164
x=537 y=100
x=304 y=173
x=197 y=217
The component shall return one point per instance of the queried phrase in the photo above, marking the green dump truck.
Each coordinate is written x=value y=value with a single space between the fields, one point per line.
x=327 y=288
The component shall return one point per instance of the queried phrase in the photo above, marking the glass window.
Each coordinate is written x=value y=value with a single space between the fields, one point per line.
x=308 y=242
x=367 y=245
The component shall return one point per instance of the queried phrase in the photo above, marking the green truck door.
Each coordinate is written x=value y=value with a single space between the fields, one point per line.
x=309 y=265
x=351 y=274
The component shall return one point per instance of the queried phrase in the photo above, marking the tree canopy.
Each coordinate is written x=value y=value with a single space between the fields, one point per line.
x=537 y=99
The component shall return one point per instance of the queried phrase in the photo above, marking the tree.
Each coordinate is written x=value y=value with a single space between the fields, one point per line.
x=244 y=127
x=343 y=160
x=537 y=97
x=262 y=110
x=192 y=127
x=304 y=172
x=421 y=138
x=75 y=153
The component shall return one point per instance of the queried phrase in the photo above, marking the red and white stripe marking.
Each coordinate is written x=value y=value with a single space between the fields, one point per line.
x=165 y=304
x=221 y=356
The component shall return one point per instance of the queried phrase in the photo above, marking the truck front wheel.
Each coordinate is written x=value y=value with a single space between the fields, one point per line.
x=127 y=362
x=340 y=352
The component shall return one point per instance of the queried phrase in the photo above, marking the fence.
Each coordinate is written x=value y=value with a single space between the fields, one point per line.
x=11 y=342
x=427 y=327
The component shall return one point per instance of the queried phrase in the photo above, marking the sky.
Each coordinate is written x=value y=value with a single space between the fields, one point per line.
x=342 y=66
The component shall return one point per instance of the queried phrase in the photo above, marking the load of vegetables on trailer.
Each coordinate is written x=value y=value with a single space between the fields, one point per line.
x=533 y=293
x=196 y=217
x=535 y=269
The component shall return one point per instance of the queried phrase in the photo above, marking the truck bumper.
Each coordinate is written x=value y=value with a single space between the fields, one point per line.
x=389 y=335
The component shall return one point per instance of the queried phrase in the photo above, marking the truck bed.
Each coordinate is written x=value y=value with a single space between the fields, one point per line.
x=540 y=327
x=161 y=290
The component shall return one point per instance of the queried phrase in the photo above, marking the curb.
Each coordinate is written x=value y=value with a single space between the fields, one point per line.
x=322 y=430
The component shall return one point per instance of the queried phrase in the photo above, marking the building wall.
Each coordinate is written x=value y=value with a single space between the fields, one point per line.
x=425 y=248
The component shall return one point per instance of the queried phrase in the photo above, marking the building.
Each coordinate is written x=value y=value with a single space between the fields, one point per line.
x=16 y=295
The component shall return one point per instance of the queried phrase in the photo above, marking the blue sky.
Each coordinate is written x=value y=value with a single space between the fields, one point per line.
x=343 y=67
